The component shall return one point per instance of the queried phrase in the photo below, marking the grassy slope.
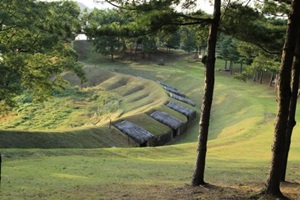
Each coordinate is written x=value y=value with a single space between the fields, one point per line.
x=107 y=96
x=241 y=135
x=80 y=112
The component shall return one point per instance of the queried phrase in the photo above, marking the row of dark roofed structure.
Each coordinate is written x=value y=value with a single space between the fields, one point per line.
x=145 y=138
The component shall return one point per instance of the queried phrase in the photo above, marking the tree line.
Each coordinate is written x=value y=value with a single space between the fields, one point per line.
x=115 y=31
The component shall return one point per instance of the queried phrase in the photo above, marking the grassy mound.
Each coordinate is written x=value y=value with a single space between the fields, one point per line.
x=105 y=97
x=238 y=157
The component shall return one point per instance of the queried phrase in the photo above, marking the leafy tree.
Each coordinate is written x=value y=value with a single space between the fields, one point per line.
x=261 y=64
x=202 y=38
x=247 y=53
x=189 y=39
x=249 y=25
x=35 y=47
x=292 y=108
x=228 y=51
x=149 y=45
x=198 y=176
x=171 y=40
x=104 y=26
x=283 y=99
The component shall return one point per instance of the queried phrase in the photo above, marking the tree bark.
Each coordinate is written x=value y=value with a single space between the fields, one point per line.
x=293 y=106
x=272 y=79
x=198 y=176
x=283 y=99
x=241 y=67
x=225 y=67
x=0 y=168
x=255 y=75
x=231 y=67
x=261 y=77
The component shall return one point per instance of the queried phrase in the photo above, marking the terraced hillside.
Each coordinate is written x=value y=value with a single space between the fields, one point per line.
x=90 y=110
x=238 y=156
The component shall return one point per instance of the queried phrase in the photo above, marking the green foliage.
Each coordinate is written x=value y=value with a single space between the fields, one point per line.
x=149 y=44
x=104 y=26
x=69 y=108
x=261 y=63
x=189 y=39
x=35 y=40
x=170 y=40
x=275 y=8
x=228 y=49
x=249 y=25
x=139 y=25
x=248 y=51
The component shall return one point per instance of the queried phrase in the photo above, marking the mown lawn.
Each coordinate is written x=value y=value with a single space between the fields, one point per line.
x=239 y=150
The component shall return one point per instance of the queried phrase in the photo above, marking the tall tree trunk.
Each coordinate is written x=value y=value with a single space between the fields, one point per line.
x=198 y=176
x=255 y=75
x=241 y=67
x=272 y=79
x=231 y=67
x=283 y=99
x=276 y=82
x=0 y=168
x=293 y=106
x=225 y=67
x=261 y=77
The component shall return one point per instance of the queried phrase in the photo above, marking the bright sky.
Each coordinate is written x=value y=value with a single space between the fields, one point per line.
x=204 y=5
x=92 y=4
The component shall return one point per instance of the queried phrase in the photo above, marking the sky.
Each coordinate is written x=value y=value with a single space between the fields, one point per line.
x=203 y=4
x=91 y=4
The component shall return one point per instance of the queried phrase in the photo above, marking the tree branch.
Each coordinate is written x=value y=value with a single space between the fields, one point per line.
x=266 y=50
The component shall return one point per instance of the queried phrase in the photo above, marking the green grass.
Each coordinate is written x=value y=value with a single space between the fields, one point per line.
x=238 y=157
x=70 y=108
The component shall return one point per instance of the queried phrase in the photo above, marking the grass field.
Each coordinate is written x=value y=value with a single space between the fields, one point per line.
x=241 y=135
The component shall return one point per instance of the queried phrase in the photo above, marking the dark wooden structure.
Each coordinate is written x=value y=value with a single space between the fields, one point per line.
x=137 y=133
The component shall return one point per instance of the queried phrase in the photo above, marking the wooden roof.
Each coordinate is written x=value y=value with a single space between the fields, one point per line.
x=182 y=99
x=167 y=119
x=134 y=131
x=174 y=91
x=183 y=110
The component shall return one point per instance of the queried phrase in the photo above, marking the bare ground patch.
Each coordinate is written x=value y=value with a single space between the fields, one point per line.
x=163 y=192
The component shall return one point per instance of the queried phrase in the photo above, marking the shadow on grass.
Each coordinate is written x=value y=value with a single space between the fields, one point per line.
x=210 y=191
x=289 y=190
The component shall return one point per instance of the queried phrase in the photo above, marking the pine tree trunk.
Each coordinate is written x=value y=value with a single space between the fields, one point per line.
x=241 y=67
x=276 y=82
x=198 y=176
x=261 y=77
x=0 y=167
x=225 y=67
x=231 y=67
x=255 y=75
x=272 y=79
x=293 y=106
x=283 y=99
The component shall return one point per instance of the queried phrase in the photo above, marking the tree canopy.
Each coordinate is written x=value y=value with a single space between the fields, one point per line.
x=36 y=47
